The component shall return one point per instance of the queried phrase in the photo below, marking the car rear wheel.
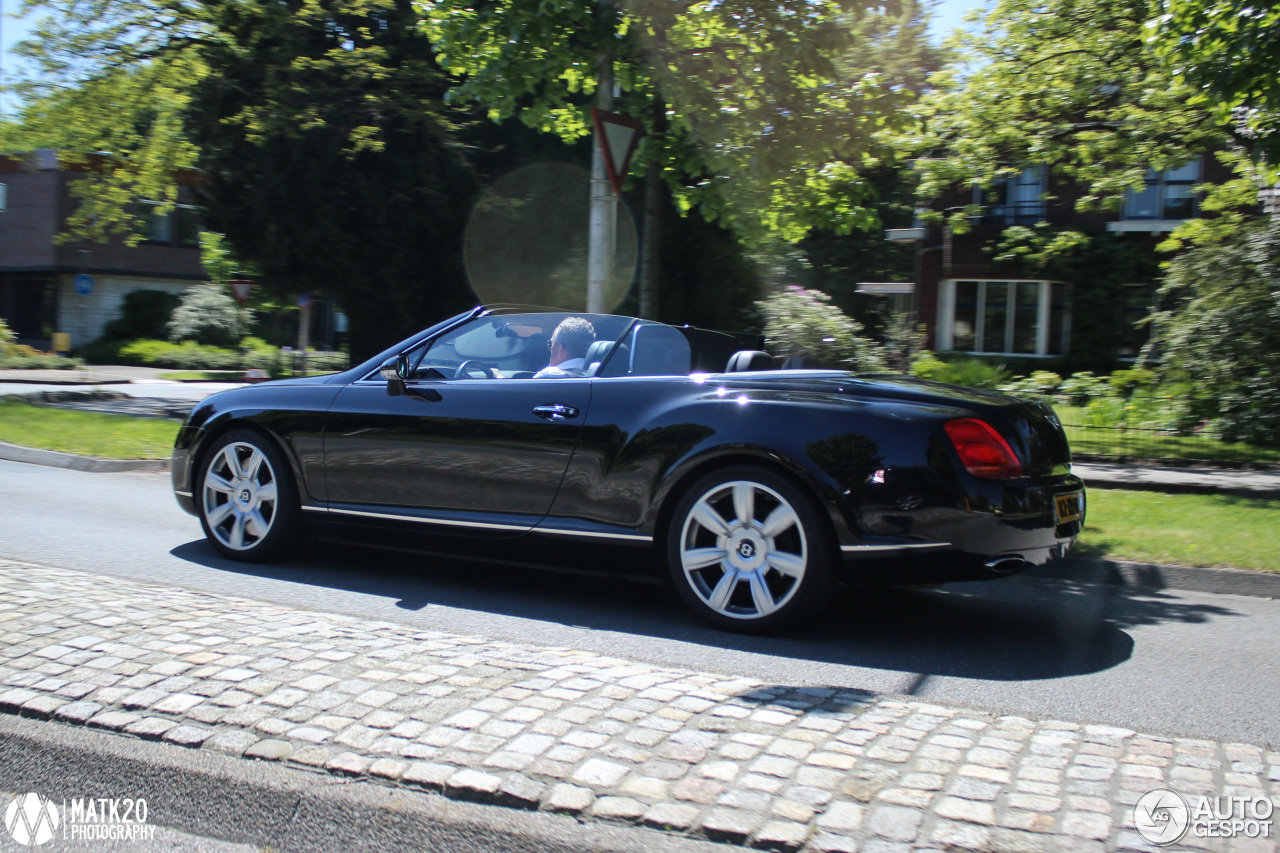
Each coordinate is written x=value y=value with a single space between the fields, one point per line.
x=748 y=551
x=247 y=500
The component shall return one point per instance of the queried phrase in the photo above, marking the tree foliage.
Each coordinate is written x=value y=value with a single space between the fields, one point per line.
x=208 y=315
x=801 y=322
x=769 y=109
x=1066 y=84
x=331 y=162
x=1221 y=329
x=327 y=155
x=109 y=90
x=1228 y=51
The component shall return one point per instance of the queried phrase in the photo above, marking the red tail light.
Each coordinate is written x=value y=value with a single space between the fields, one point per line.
x=982 y=450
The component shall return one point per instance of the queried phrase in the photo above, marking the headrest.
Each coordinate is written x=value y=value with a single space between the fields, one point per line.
x=747 y=359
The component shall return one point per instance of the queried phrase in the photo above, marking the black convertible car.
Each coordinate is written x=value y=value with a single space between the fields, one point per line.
x=755 y=487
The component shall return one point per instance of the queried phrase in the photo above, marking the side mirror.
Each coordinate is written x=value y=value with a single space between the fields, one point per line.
x=395 y=371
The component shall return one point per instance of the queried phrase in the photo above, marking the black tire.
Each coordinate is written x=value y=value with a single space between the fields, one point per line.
x=247 y=499
x=749 y=551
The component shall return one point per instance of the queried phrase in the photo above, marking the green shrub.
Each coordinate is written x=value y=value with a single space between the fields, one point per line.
x=962 y=370
x=1080 y=388
x=1128 y=382
x=144 y=314
x=801 y=322
x=36 y=360
x=926 y=365
x=187 y=355
x=6 y=334
x=1041 y=383
x=208 y=315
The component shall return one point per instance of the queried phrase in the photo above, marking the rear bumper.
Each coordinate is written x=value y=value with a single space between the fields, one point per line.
x=919 y=528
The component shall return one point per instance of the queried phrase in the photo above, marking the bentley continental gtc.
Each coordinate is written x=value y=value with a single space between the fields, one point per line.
x=754 y=486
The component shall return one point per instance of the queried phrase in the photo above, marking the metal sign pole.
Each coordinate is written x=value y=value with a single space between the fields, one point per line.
x=604 y=204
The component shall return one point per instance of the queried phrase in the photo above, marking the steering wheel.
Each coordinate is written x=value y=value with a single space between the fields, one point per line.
x=468 y=369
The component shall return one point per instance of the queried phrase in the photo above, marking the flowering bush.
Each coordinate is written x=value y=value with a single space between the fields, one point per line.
x=800 y=322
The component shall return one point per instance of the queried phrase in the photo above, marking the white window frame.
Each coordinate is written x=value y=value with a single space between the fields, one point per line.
x=1044 y=307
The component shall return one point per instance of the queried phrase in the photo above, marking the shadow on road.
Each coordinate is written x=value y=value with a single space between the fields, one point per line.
x=1016 y=629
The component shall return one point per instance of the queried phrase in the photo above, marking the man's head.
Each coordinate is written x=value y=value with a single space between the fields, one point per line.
x=571 y=339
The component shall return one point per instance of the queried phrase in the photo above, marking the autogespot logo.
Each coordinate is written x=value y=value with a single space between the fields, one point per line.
x=31 y=819
x=1165 y=817
x=1161 y=816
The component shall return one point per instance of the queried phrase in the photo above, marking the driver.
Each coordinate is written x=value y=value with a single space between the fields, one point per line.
x=569 y=344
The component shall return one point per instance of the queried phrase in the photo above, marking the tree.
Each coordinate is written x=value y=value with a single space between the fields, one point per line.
x=1228 y=51
x=108 y=92
x=1065 y=84
x=758 y=116
x=330 y=160
x=1220 y=330
x=801 y=322
x=327 y=156
x=208 y=315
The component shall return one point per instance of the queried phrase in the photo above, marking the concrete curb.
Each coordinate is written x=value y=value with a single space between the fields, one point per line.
x=108 y=380
x=76 y=462
x=280 y=807
x=1258 y=584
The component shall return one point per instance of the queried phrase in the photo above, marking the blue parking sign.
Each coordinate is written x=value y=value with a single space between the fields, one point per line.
x=83 y=284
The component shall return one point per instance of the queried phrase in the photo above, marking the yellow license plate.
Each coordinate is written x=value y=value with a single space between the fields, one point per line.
x=1069 y=508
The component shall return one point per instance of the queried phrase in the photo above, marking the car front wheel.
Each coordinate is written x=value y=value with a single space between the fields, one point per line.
x=247 y=499
x=748 y=550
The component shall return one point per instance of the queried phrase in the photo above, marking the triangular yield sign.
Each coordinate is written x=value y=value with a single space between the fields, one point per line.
x=618 y=136
x=240 y=290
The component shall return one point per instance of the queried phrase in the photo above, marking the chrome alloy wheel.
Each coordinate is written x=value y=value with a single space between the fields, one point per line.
x=240 y=496
x=743 y=550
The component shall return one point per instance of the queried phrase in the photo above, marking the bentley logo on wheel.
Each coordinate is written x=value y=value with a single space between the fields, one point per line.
x=746 y=549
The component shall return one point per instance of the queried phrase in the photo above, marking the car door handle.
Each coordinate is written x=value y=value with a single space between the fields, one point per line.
x=555 y=412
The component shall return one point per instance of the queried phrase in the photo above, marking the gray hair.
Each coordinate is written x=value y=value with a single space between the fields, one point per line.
x=576 y=335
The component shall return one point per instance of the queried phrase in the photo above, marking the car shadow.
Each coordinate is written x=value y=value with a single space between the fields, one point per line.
x=1014 y=629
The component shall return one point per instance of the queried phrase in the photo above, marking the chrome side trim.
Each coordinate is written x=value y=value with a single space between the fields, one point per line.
x=186 y=494
x=447 y=521
x=923 y=546
x=630 y=537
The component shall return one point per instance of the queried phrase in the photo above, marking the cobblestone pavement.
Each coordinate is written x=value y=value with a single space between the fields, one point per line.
x=730 y=759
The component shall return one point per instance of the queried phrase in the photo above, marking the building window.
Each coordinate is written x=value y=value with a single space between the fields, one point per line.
x=1166 y=194
x=1004 y=317
x=180 y=226
x=1017 y=199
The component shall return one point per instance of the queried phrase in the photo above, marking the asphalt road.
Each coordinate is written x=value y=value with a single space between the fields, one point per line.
x=1163 y=662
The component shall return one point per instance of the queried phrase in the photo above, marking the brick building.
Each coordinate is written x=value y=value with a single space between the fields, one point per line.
x=38 y=274
x=970 y=304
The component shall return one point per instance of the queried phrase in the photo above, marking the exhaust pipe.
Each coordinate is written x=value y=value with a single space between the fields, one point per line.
x=1007 y=565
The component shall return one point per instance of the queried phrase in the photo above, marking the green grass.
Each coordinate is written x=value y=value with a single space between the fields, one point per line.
x=86 y=433
x=1191 y=530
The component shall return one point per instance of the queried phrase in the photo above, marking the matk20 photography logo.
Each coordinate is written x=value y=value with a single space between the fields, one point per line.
x=32 y=820
x=1166 y=817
